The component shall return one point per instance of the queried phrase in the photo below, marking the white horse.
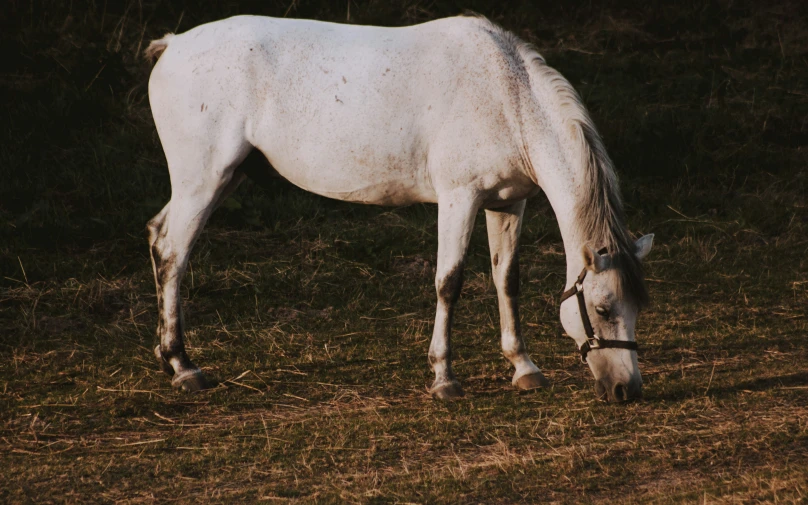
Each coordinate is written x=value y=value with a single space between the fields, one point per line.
x=456 y=112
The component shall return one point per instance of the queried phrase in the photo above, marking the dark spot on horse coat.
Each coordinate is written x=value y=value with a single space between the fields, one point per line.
x=176 y=348
x=512 y=277
x=166 y=265
x=451 y=284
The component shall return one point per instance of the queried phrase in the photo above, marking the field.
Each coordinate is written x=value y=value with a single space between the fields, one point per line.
x=315 y=315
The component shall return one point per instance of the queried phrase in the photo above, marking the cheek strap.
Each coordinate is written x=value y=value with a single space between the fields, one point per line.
x=592 y=341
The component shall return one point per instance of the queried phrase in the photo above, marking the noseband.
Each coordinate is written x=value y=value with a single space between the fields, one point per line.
x=592 y=341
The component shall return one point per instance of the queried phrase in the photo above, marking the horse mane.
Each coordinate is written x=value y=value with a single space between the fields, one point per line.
x=599 y=215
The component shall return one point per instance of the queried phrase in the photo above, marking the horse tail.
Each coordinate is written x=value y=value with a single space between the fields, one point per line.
x=156 y=48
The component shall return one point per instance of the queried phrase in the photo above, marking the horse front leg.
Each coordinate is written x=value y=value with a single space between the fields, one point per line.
x=455 y=222
x=504 y=227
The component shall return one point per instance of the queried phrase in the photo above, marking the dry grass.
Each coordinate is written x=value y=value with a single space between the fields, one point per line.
x=329 y=404
x=315 y=316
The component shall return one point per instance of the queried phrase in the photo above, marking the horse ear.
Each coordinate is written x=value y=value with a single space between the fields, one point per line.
x=643 y=246
x=594 y=261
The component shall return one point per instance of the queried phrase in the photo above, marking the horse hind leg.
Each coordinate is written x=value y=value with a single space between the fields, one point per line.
x=504 y=226
x=155 y=229
x=205 y=182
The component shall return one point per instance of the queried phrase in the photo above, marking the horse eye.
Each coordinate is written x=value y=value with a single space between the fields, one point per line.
x=603 y=311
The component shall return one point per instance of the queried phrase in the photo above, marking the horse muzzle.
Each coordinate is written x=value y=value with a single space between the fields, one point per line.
x=618 y=391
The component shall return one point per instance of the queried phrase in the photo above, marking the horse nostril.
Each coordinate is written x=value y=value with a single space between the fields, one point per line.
x=620 y=393
x=601 y=391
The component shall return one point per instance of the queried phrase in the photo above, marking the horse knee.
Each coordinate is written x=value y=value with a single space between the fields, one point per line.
x=449 y=285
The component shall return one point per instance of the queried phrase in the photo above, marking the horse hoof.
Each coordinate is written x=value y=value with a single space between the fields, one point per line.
x=532 y=381
x=165 y=366
x=191 y=381
x=447 y=391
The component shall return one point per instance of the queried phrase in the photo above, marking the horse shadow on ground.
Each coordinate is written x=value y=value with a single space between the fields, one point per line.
x=792 y=380
x=797 y=380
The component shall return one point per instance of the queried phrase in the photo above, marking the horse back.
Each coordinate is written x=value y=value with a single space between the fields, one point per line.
x=367 y=114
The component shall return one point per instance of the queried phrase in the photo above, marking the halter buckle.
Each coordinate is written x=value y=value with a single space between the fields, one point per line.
x=590 y=345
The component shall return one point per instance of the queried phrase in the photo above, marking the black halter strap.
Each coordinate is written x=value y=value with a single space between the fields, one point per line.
x=592 y=341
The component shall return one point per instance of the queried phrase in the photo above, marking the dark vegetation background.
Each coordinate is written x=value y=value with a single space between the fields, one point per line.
x=316 y=314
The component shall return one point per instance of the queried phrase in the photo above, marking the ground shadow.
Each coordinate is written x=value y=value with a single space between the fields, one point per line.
x=762 y=384
x=793 y=380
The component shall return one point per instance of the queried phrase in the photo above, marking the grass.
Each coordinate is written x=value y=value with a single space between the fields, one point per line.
x=316 y=315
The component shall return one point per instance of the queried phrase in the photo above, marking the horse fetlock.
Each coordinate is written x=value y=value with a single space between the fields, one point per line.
x=165 y=366
x=176 y=364
x=184 y=374
x=514 y=351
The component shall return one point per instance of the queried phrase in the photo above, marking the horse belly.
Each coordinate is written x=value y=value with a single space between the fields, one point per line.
x=348 y=181
x=373 y=172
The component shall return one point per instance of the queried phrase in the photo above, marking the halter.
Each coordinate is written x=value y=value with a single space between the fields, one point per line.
x=592 y=341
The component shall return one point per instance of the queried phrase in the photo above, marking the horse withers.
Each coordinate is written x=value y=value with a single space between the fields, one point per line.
x=457 y=112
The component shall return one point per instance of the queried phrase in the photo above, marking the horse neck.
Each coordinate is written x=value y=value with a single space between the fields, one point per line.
x=557 y=132
x=563 y=178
